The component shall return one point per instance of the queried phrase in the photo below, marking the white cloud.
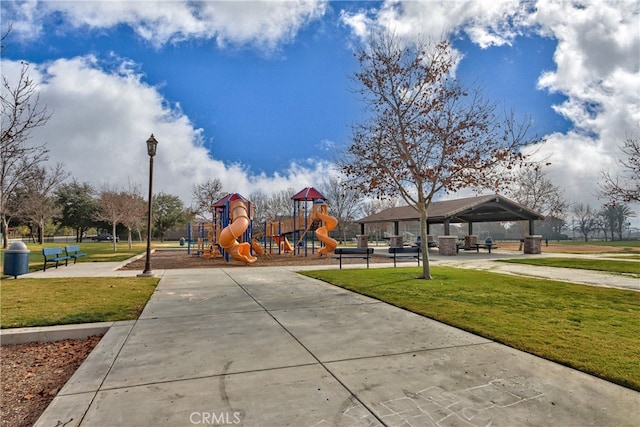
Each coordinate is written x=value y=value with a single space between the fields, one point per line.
x=486 y=22
x=263 y=23
x=98 y=130
x=597 y=68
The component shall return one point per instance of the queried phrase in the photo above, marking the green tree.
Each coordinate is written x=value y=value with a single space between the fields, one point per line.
x=425 y=133
x=78 y=204
x=168 y=211
x=614 y=218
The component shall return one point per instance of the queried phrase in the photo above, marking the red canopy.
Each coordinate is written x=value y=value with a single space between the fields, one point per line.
x=308 y=194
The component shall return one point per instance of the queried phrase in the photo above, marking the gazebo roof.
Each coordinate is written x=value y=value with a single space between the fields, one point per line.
x=470 y=209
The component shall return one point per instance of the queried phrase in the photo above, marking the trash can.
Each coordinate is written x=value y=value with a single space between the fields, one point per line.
x=16 y=259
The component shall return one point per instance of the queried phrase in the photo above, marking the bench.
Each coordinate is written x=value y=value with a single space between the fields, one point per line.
x=53 y=255
x=74 y=252
x=364 y=253
x=476 y=246
x=405 y=252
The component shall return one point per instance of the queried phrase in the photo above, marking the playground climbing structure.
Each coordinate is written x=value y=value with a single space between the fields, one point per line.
x=235 y=213
x=230 y=233
x=310 y=221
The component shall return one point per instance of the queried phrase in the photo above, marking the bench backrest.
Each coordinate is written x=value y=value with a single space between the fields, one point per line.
x=51 y=251
x=73 y=248
x=353 y=251
x=405 y=250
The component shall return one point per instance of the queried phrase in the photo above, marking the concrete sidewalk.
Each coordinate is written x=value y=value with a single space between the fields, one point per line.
x=268 y=347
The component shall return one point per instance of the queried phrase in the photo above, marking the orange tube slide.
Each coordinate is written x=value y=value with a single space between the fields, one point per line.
x=322 y=233
x=239 y=224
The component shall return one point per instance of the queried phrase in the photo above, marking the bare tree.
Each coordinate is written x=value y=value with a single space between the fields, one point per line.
x=273 y=206
x=21 y=113
x=532 y=189
x=38 y=201
x=344 y=203
x=373 y=206
x=426 y=133
x=112 y=208
x=134 y=215
x=586 y=218
x=205 y=195
x=624 y=187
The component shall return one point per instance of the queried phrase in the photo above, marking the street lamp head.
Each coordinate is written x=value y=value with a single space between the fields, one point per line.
x=152 y=143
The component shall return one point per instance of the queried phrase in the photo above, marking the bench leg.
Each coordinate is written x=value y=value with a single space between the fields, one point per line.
x=340 y=261
x=367 y=261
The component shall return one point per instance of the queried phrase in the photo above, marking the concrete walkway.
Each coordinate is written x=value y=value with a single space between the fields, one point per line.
x=268 y=347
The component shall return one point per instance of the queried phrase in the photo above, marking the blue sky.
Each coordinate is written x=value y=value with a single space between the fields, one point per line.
x=257 y=94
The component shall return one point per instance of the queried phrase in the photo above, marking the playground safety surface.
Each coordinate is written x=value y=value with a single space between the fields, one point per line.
x=173 y=259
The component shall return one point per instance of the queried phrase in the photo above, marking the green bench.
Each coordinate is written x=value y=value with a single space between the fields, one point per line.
x=52 y=255
x=73 y=251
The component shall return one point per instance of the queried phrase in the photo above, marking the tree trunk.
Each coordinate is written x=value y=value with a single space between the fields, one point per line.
x=41 y=233
x=424 y=244
x=113 y=235
x=5 y=228
x=129 y=238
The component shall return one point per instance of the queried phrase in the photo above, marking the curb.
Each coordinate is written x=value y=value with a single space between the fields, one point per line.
x=53 y=333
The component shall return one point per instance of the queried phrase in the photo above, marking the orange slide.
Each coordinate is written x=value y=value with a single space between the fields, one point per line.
x=322 y=233
x=283 y=243
x=239 y=224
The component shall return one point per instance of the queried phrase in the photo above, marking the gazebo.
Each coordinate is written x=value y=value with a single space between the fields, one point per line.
x=468 y=210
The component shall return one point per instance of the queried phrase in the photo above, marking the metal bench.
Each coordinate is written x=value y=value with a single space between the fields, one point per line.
x=53 y=255
x=73 y=251
x=405 y=252
x=364 y=253
x=476 y=247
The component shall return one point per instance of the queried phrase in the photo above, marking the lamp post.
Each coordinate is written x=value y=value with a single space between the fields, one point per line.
x=152 y=144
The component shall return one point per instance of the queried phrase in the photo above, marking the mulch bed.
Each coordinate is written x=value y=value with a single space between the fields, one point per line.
x=32 y=374
x=164 y=259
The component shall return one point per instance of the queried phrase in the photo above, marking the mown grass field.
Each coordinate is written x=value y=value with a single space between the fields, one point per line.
x=592 y=329
x=612 y=266
x=96 y=252
x=42 y=302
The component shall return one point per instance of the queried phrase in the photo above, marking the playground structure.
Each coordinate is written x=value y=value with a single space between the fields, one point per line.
x=231 y=233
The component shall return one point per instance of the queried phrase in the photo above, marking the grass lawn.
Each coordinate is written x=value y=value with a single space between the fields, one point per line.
x=43 y=302
x=96 y=252
x=630 y=267
x=596 y=330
